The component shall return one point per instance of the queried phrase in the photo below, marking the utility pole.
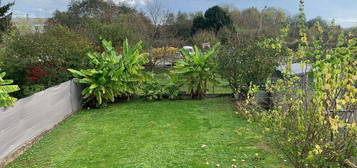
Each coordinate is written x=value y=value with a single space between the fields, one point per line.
x=27 y=18
x=261 y=18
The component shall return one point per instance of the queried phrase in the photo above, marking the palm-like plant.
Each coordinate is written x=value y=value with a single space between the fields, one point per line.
x=112 y=75
x=197 y=70
x=132 y=60
x=5 y=89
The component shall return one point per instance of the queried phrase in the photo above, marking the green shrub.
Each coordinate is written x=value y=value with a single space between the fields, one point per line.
x=112 y=75
x=157 y=89
x=197 y=70
x=43 y=58
x=247 y=59
x=32 y=89
x=5 y=89
x=153 y=90
x=249 y=108
x=172 y=86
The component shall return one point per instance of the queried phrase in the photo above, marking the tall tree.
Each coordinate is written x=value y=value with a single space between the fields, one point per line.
x=96 y=18
x=249 y=19
x=312 y=22
x=160 y=17
x=199 y=23
x=5 y=17
x=183 y=25
x=81 y=12
x=216 y=18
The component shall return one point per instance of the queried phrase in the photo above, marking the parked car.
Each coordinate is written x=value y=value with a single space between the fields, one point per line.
x=189 y=49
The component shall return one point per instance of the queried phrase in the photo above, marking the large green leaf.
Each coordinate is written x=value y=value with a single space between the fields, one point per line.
x=5 y=89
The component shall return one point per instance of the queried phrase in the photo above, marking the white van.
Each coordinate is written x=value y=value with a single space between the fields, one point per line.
x=189 y=49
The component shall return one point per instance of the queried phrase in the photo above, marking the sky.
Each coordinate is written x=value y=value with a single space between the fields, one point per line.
x=343 y=11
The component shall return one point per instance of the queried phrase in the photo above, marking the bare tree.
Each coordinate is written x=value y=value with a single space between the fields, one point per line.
x=157 y=14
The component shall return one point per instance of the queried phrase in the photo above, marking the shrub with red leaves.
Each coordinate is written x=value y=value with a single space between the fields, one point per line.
x=36 y=74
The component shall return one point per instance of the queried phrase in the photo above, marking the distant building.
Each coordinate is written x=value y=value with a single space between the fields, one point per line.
x=206 y=46
x=33 y=24
x=298 y=69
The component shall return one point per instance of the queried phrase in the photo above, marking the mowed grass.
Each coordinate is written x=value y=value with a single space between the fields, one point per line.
x=165 y=134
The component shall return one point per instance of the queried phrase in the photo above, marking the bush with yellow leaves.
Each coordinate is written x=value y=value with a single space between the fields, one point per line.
x=163 y=53
x=313 y=120
x=313 y=123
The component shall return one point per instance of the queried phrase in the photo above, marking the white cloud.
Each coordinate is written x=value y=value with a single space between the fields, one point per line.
x=345 y=22
x=132 y=2
x=21 y=14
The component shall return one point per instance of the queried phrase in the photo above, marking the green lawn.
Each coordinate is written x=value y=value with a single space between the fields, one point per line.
x=172 y=134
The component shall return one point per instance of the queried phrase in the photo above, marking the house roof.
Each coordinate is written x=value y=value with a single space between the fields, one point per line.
x=296 y=68
x=30 y=21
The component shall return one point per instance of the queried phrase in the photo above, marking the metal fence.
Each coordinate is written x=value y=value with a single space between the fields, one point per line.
x=30 y=117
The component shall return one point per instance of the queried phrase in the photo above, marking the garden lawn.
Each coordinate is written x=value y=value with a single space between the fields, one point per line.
x=172 y=134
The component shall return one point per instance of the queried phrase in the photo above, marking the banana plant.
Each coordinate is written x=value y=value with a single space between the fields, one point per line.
x=112 y=75
x=6 y=88
x=159 y=88
x=197 y=70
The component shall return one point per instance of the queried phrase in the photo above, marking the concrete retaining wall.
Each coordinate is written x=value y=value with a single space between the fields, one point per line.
x=32 y=116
